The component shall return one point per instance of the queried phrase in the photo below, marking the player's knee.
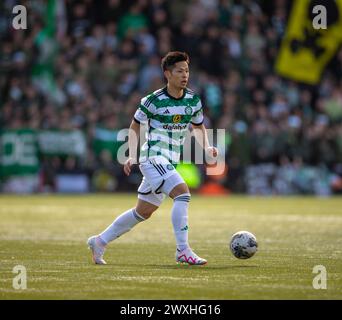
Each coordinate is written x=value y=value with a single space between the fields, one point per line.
x=145 y=210
x=146 y=213
x=178 y=190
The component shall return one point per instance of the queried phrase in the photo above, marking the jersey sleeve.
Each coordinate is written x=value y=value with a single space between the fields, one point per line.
x=145 y=110
x=197 y=118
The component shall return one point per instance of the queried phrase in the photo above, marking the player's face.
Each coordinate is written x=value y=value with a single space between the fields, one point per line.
x=179 y=75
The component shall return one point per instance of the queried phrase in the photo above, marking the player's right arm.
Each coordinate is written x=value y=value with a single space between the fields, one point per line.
x=133 y=139
x=143 y=113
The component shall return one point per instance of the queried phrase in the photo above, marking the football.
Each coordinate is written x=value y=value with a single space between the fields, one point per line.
x=243 y=244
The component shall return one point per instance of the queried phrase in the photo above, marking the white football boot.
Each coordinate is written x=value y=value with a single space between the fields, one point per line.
x=189 y=257
x=97 y=250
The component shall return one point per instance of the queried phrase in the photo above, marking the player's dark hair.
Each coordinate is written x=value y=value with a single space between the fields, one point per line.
x=173 y=57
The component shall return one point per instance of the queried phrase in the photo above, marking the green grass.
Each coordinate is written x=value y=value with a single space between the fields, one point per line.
x=47 y=235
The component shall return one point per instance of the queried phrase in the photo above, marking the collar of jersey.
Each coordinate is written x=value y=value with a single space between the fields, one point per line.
x=184 y=93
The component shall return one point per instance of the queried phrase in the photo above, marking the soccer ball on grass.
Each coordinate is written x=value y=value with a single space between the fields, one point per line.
x=243 y=245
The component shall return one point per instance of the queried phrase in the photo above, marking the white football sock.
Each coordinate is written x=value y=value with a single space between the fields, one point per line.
x=179 y=218
x=121 y=225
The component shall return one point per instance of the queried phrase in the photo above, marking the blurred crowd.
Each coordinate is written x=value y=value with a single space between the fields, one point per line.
x=91 y=65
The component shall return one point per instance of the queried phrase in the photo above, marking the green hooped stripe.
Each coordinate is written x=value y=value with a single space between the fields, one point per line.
x=197 y=112
x=176 y=103
x=148 y=113
x=166 y=146
x=174 y=134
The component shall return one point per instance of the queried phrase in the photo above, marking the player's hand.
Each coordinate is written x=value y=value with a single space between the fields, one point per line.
x=128 y=165
x=212 y=152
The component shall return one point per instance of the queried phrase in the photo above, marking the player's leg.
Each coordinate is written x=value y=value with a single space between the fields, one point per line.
x=177 y=189
x=122 y=224
x=145 y=208
x=179 y=215
x=148 y=202
x=127 y=220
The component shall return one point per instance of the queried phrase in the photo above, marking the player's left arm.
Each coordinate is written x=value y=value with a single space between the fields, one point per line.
x=201 y=136
x=200 y=131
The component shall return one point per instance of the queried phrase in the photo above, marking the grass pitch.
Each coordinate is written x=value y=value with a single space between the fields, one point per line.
x=47 y=235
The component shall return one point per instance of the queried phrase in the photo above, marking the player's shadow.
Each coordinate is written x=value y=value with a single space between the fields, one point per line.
x=205 y=267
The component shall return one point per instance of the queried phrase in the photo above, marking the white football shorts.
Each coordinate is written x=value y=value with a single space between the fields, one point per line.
x=160 y=177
